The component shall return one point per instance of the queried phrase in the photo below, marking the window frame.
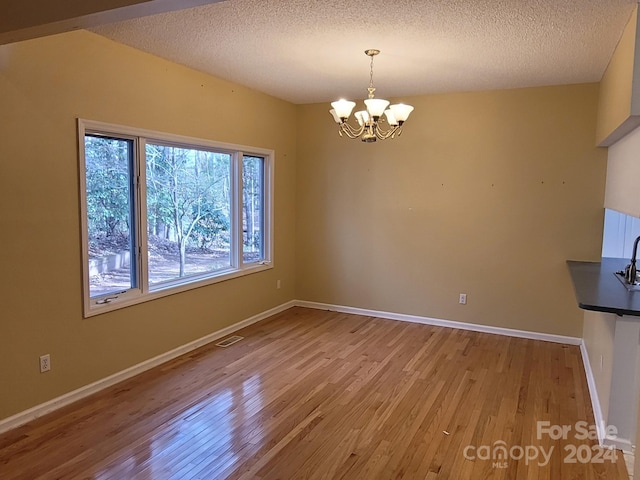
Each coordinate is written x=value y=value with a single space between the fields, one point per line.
x=143 y=292
x=262 y=201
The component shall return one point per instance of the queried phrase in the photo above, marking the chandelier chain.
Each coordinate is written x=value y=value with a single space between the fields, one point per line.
x=371 y=88
x=371 y=73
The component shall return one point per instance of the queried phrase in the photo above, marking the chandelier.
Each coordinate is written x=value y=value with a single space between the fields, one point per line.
x=370 y=121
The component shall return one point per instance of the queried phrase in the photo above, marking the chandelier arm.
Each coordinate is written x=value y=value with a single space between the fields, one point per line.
x=384 y=134
x=350 y=131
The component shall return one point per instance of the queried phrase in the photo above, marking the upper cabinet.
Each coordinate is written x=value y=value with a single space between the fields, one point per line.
x=623 y=175
x=619 y=103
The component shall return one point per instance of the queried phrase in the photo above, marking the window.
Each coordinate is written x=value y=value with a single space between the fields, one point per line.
x=162 y=213
x=188 y=212
x=252 y=211
x=620 y=231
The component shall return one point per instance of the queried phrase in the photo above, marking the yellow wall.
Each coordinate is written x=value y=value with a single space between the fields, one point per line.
x=618 y=108
x=44 y=85
x=485 y=193
x=618 y=116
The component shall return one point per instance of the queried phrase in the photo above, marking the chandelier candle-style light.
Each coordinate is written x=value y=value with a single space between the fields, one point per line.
x=369 y=127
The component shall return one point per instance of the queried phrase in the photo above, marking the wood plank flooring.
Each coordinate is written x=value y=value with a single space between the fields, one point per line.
x=312 y=394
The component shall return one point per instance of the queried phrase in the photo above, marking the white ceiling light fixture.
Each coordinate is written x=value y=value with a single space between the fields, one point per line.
x=370 y=121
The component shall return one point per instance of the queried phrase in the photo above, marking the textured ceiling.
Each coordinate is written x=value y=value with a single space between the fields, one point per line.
x=312 y=51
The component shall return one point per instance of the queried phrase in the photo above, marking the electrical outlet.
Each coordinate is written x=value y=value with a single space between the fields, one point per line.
x=278 y=284
x=463 y=299
x=45 y=363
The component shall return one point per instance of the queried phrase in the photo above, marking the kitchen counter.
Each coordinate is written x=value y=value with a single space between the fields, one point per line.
x=597 y=288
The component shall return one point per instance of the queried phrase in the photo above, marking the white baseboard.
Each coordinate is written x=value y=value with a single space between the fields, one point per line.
x=623 y=444
x=593 y=392
x=604 y=440
x=547 y=337
x=82 y=392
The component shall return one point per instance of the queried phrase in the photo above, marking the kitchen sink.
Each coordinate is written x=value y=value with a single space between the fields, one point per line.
x=631 y=288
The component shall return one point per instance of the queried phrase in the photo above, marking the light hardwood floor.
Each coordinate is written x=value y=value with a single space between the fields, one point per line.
x=312 y=394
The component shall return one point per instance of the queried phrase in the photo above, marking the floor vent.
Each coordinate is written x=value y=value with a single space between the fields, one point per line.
x=229 y=341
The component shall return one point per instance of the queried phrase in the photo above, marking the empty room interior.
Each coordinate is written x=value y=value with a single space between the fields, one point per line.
x=295 y=240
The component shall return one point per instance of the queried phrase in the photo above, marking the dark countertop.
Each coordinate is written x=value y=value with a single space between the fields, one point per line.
x=597 y=288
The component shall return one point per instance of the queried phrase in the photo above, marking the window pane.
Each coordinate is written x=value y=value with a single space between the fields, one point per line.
x=252 y=209
x=109 y=197
x=188 y=212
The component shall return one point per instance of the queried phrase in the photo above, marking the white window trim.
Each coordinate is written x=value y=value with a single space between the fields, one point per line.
x=238 y=267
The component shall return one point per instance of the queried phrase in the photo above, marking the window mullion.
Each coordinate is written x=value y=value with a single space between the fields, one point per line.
x=236 y=226
x=143 y=250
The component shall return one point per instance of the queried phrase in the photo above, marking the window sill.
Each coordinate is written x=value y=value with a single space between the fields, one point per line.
x=130 y=300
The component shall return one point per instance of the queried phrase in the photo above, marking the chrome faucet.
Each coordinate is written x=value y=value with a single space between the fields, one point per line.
x=630 y=272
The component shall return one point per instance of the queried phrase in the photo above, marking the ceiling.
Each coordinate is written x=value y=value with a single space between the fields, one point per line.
x=313 y=51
